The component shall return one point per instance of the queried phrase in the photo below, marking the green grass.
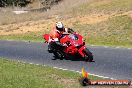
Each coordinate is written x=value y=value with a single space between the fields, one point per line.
x=32 y=36
x=15 y=74
x=116 y=31
x=103 y=6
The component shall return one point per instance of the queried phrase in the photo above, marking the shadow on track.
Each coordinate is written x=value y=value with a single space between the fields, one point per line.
x=71 y=58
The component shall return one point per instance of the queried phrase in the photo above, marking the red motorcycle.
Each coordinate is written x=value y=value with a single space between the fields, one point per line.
x=74 y=45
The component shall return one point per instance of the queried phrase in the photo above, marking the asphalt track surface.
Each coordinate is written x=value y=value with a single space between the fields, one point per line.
x=110 y=62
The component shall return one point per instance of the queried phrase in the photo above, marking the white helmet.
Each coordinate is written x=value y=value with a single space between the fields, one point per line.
x=59 y=26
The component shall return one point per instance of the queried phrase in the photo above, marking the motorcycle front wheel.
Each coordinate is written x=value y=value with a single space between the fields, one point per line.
x=88 y=55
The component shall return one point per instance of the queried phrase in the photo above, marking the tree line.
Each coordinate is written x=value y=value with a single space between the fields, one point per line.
x=23 y=3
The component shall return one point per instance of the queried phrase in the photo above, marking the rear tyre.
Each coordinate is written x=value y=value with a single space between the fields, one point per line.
x=88 y=55
x=58 y=55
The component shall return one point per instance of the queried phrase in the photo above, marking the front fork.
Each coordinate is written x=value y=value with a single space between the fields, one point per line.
x=81 y=51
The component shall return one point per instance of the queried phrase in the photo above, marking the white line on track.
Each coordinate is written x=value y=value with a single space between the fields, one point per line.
x=129 y=48
x=88 y=73
x=69 y=70
x=106 y=46
x=74 y=70
x=32 y=63
x=114 y=47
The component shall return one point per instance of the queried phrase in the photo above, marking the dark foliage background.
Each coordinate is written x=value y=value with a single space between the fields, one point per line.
x=23 y=3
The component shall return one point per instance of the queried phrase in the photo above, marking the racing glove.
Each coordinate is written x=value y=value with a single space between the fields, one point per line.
x=70 y=30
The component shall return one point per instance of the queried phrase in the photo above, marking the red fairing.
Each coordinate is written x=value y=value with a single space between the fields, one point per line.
x=72 y=47
x=80 y=51
x=71 y=44
x=46 y=37
x=64 y=39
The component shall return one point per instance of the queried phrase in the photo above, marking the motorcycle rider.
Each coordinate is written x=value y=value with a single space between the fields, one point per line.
x=55 y=35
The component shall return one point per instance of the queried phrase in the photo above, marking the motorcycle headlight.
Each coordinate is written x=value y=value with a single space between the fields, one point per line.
x=77 y=45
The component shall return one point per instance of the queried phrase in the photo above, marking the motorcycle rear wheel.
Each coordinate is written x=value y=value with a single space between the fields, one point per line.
x=88 y=55
x=58 y=55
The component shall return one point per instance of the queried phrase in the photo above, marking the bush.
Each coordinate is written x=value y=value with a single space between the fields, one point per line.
x=23 y=3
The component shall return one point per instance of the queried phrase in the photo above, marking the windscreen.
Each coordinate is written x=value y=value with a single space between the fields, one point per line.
x=73 y=37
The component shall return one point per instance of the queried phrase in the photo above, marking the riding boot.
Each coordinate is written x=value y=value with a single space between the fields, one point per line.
x=50 y=50
x=59 y=46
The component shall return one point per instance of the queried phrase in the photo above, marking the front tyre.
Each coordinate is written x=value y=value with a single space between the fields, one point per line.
x=88 y=55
